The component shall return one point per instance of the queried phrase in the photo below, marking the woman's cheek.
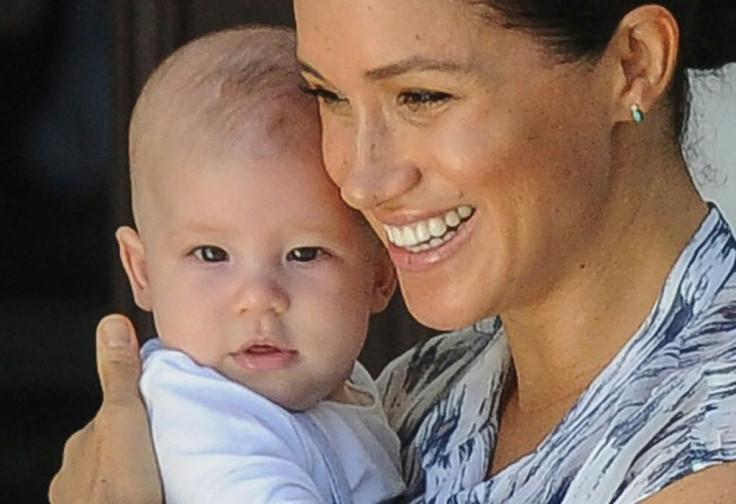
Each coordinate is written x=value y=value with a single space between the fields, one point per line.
x=336 y=148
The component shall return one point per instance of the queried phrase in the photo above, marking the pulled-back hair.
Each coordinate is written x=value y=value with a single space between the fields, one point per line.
x=581 y=30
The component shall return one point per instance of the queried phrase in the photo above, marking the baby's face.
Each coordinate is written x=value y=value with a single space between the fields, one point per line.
x=256 y=267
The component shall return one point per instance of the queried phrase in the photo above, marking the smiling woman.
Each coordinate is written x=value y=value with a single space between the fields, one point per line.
x=521 y=162
x=433 y=120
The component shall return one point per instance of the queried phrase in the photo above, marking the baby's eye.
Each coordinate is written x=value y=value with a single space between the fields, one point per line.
x=210 y=254
x=304 y=254
x=421 y=99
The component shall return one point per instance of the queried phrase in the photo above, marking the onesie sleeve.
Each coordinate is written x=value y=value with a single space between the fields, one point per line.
x=217 y=441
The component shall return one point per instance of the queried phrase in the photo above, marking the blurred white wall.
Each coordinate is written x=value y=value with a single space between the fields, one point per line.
x=711 y=144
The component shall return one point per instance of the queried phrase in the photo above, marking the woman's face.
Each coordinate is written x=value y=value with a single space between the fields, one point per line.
x=482 y=163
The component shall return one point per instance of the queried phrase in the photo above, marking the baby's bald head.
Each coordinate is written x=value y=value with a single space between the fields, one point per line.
x=211 y=93
x=243 y=241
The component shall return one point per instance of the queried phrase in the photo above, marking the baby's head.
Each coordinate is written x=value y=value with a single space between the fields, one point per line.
x=244 y=251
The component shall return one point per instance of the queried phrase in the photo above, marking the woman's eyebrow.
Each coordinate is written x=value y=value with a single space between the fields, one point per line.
x=305 y=67
x=409 y=65
x=414 y=64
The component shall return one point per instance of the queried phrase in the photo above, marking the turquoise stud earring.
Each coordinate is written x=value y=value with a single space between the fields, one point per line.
x=636 y=113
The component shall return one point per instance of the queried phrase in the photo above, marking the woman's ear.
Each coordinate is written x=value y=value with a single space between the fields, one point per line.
x=385 y=281
x=645 y=51
x=133 y=257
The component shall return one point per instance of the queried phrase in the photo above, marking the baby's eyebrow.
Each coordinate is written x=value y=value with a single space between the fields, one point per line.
x=192 y=228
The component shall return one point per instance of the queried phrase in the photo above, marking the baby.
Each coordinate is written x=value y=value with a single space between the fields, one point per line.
x=261 y=282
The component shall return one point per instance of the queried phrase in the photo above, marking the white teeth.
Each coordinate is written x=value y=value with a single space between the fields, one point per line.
x=437 y=227
x=420 y=248
x=452 y=219
x=422 y=232
x=407 y=237
x=430 y=233
x=464 y=211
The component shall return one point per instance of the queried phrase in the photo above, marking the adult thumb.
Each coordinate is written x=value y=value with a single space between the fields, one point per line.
x=118 y=361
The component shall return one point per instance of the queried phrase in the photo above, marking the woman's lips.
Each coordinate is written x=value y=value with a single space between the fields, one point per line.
x=418 y=259
x=264 y=357
x=426 y=234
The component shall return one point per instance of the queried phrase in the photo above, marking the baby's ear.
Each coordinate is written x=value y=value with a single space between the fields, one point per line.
x=385 y=281
x=133 y=257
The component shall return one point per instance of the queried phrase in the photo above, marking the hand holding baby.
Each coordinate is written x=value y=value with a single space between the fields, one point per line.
x=117 y=441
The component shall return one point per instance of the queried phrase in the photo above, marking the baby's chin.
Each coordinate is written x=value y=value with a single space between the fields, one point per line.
x=308 y=399
x=295 y=399
x=292 y=402
x=293 y=388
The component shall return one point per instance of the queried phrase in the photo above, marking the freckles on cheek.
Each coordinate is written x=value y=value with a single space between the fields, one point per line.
x=335 y=159
x=467 y=156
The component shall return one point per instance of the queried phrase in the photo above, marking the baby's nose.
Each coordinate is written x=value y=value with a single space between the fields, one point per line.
x=262 y=294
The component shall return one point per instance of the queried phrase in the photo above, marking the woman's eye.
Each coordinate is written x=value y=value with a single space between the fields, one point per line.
x=304 y=254
x=324 y=96
x=420 y=99
x=210 y=254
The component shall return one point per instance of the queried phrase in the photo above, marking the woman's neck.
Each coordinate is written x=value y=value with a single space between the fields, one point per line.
x=562 y=341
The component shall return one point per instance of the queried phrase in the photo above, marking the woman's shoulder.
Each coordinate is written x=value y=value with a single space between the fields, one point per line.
x=708 y=356
x=690 y=408
x=696 y=425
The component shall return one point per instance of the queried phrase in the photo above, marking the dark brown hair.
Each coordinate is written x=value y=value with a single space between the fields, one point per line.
x=581 y=29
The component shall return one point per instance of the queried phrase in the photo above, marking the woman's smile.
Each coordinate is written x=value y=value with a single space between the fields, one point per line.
x=429 y=234
x=475 y=164
x=447 y=235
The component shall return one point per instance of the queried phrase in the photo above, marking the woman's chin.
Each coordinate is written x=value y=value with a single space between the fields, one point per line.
x=437 y=311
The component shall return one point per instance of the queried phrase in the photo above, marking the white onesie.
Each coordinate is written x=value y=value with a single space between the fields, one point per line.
x=219 y=442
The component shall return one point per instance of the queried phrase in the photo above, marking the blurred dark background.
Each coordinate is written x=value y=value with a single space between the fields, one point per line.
x=71 y=70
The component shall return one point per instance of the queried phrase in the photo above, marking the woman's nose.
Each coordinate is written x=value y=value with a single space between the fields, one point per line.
x=261 y=293
x=378 y=171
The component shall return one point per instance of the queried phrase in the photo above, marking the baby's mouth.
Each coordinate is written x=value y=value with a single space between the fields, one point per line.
x=265 y=357
x=262 y=349
x=431 y=233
